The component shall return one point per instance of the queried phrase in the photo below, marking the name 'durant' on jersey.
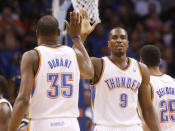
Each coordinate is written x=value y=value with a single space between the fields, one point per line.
x=59 y=63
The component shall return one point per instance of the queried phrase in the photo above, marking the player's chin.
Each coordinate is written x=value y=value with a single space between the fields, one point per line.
x=119 y=53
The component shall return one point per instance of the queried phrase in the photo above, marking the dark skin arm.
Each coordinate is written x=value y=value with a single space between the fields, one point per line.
x=84 y=61
x=29 y=60
x=97 y=68
x=5 y=114
x=145 y=127
x=144 y=96
x=74 y=29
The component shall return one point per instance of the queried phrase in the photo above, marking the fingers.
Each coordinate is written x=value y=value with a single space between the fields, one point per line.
x=81 y=18
x=94 y=25
x=78 y=18
x=75 y=24
x=72 y=18
x=84 y=13
x=67 y=24
x=75 y=18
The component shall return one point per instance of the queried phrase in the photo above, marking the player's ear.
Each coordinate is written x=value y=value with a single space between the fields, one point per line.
x=127 y=43
x=141 y=60
x=109 y=44
x=58 y=32
x=37 y=33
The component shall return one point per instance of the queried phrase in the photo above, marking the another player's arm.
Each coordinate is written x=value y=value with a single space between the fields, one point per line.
x=5 y=113
x=145 y=101
x=74 y=29
x=27 y=82
x=144 y=125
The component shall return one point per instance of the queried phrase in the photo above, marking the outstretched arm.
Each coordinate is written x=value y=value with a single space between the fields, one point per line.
x=74 y=29
x=87 y=28
x=144 y=96
x=5 y=114
x=27 y=82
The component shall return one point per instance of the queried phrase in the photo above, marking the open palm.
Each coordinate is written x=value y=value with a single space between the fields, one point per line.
x=86 y=27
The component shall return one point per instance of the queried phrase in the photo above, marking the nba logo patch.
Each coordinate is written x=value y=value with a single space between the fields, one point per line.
x=134 y=70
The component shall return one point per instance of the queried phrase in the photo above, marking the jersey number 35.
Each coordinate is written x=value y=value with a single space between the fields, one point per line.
x=65 y=88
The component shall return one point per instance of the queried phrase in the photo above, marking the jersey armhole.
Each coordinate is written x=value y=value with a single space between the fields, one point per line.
x=101 y=73
x=140 y=70
x=39 y=62
x=152 y=91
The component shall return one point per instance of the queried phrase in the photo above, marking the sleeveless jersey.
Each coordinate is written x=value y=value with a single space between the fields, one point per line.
x=116 y=95
x=56 y=90
x=6 y=101
x=163 y=96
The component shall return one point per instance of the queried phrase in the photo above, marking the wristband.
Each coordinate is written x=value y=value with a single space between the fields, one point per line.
x=75 y=37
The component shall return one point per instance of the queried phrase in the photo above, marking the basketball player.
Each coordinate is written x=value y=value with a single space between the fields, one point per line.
x=50 y=79
x=118 y=83
x=5 y=106
x=162 y=88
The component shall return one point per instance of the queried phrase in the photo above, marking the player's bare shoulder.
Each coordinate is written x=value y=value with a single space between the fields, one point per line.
x=144 y=69
x=29 y=58
x=5 y=111
x=30 y=55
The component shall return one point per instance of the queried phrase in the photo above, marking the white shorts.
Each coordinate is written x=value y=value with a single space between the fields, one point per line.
x=127 y=128
x=56 y=124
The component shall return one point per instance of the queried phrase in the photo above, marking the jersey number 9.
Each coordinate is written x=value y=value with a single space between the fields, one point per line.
x=123 y=100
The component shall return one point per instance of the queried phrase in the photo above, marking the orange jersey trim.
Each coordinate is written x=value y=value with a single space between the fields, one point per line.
x=28 y=128
x=140 y=70
x=152 y=92
x=124 y=69
x=101 y=74
x=39 y=63
x=92 y=104
x=54 y=47
x=77 y=60
x=158 y=75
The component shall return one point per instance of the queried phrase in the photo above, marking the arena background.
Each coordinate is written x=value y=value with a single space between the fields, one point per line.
x=147 y=21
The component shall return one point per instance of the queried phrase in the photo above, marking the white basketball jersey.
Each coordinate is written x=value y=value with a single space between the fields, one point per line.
x=3 y=100
x=116 y=95
x=163 y=96
x=56 y=90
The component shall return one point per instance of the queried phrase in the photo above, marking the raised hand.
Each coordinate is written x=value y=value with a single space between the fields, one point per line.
x=74 y=28
x=86 y=26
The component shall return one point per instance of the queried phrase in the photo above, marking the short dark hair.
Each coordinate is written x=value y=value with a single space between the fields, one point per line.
x=120 y=28
x=150 y=55
x=47 y=25
x=3 y=84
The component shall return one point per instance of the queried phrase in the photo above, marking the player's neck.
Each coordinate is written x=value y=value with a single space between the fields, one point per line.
x=49 y=41
x=1 y=96
x=121 y=61
x=155 y=70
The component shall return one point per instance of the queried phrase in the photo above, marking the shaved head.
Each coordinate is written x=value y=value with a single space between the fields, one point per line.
x=47 y=25
x=123 y=31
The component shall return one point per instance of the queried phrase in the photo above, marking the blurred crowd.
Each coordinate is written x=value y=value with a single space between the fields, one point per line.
x=147 y=21
x=18 y=21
